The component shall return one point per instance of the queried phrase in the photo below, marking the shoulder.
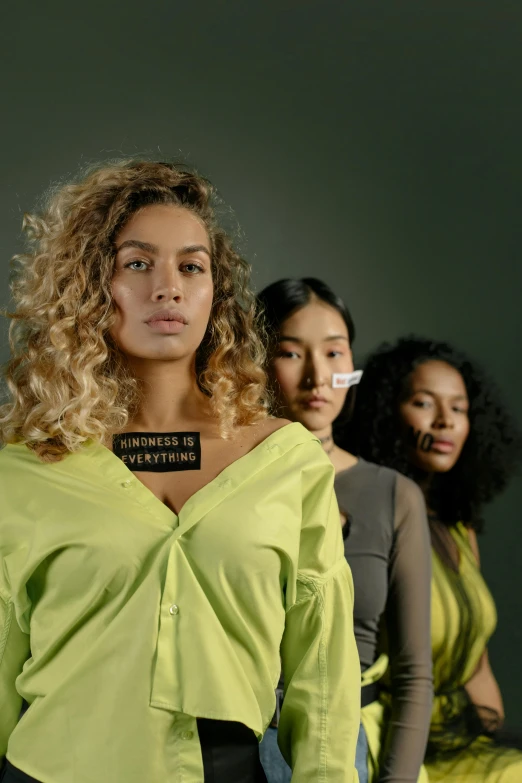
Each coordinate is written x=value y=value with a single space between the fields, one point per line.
x=19 y=486
x=470 y=535
x=386 y=480
x=21 y=467
x=13 y=457
x=410 y=506
x=268 y=426
x=19 y=457
x=407 y=488
x=282 y=433
x=382 y=480
x=386 y=488
x=343 y=461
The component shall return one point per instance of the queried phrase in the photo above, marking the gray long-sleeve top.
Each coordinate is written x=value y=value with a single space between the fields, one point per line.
x=388 y=548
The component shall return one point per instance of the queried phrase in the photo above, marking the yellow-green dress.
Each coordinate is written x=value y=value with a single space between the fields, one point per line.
x=463 y=620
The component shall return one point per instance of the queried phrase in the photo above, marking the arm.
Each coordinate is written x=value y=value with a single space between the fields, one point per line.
x=482 y=688
x=320 y=716
x=14 y=650
x=408 y=632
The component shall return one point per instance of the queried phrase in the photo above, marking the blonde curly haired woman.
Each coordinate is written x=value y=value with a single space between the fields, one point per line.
x=162 y=539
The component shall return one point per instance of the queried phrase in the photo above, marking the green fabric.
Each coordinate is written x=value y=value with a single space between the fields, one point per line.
x=459 y=597
x=122 y=622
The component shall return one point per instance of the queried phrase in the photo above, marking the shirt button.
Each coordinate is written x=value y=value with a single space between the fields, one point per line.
x=126 y=483
x=187 y=735
x=174 y=609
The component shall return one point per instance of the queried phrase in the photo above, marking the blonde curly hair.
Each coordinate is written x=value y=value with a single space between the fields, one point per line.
x=67 y=378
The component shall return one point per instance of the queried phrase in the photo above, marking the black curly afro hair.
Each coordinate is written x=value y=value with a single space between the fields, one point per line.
x=493 y=450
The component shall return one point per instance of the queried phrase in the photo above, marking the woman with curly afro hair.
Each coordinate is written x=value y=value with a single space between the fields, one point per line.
x=426 y=410
x=164 y=542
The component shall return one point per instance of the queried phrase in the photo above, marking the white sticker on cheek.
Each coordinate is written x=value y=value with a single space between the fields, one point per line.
x=343 y=380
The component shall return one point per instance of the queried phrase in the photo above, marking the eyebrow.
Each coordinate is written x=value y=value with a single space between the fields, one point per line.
x=148 y=247
x=433 y=394
x=332 y=337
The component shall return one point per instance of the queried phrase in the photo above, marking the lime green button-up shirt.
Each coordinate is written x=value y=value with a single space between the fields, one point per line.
x=120 y=622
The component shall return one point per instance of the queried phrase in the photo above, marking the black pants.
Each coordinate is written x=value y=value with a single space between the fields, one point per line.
x=230 y=755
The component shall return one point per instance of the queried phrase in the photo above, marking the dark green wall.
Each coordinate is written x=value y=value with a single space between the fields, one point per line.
x=376 y=144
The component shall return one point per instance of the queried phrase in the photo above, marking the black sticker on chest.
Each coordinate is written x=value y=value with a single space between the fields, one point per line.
x=159 y=452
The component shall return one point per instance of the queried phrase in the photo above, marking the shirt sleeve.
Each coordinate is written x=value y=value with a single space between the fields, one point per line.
x=408 y=633
x=14 y=650
x=320 y=716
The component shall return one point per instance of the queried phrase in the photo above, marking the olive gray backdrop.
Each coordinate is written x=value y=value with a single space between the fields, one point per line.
x=374 y=144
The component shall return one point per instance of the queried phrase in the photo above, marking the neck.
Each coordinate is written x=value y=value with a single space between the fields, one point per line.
x=170 y=396
x=341 y=460
x=326 y=438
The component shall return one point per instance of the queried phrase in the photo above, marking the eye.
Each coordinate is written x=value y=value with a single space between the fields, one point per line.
x=457 y=409
x=192 y=268
x=288 y=355
x=137 y=263
x=334 y=354
x=421 y=403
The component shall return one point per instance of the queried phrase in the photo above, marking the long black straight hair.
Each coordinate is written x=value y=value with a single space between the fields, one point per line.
x=279 y=300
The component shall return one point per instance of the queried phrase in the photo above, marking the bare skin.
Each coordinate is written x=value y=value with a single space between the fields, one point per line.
x=437 y=404
x=163 y=262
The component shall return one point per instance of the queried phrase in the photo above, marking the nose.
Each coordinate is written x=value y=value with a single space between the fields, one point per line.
x=444 y=417
x=167 y=285
x=315 y=374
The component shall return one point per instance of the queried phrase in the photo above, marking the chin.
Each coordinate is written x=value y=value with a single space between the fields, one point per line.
x=167 y=350
x=311 y=421
x=154 y=356
x=436 y=464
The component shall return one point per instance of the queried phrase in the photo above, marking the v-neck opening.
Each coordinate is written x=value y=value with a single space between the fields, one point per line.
x=206 y=488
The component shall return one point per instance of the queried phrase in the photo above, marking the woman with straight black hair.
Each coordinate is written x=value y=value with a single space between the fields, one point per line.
x=427 y=410
x=385 y=533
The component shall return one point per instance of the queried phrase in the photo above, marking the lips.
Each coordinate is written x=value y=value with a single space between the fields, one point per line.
x=167 y=315
x=315 y=402
x=443 y=446
x=167 y=321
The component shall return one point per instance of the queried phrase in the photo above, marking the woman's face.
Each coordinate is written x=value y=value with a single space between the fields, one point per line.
x=313 y=345
x=162 y=284
x=435 y=415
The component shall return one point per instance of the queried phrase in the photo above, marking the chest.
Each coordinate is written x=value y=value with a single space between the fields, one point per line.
x=175 y=472
x=462 y=605
x=174 y=489
x=98 y=539
x=368 y=540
